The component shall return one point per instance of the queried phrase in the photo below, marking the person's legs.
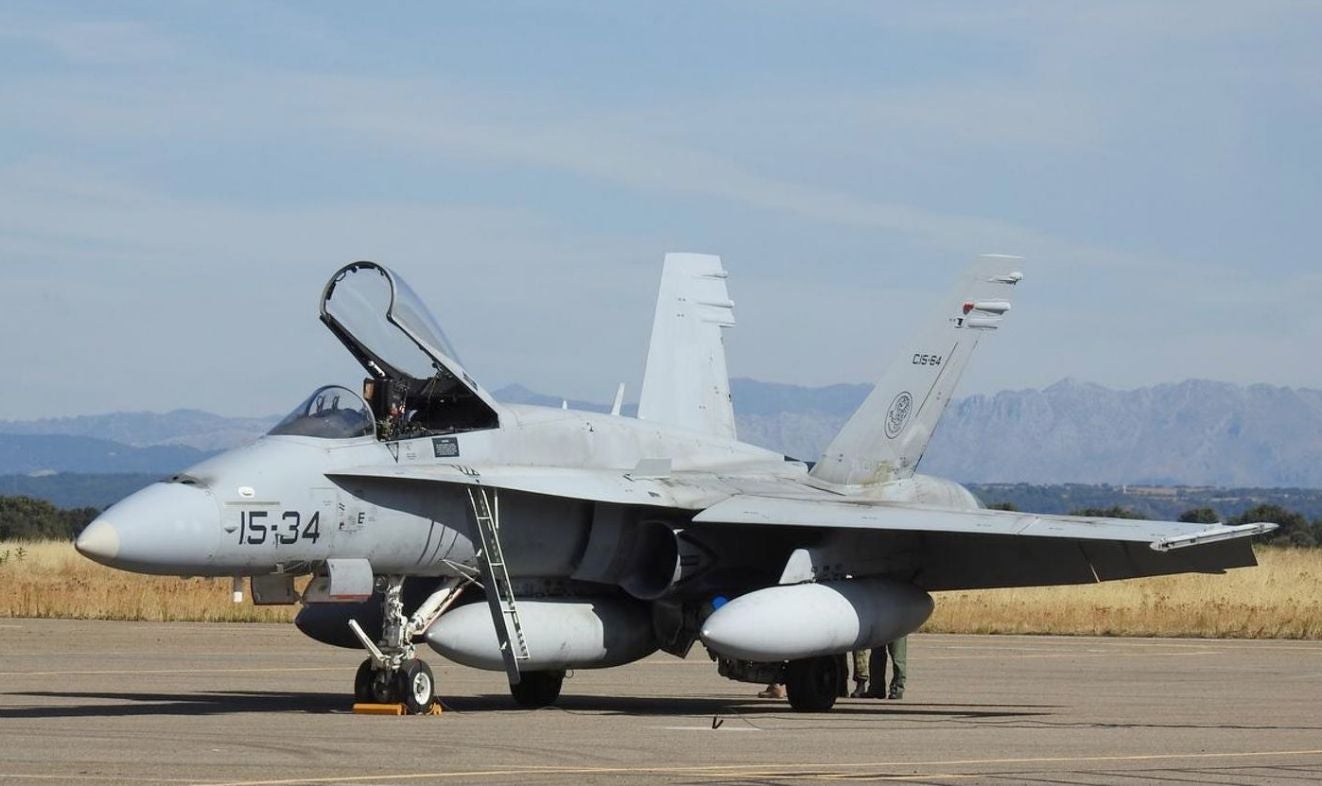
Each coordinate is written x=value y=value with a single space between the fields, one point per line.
x=877 y=683
x=860 y=674
x=899 y=652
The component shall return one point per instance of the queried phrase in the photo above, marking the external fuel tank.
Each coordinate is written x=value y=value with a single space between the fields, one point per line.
x=804 y=620
x=562 y=633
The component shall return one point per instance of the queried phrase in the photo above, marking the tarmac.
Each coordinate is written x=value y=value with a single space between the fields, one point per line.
x=160 y=703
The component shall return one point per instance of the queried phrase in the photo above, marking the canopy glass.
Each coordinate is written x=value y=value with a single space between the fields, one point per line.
x=421 y=388
x=331 y=412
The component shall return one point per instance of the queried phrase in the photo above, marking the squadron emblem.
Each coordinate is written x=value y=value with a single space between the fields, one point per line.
x=898 y=415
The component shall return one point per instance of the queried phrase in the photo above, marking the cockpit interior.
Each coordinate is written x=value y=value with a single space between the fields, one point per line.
x=331 y=412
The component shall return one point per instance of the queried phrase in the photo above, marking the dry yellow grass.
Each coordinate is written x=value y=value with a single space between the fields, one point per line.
x=1282 y=598
x=1279 y=599
x=53 y=580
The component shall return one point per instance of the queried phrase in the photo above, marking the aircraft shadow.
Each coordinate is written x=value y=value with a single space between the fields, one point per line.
x=662 y=706
x=203 y=703
x=232 y=702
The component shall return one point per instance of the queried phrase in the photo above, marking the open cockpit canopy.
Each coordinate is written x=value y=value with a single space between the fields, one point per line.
x=417 y=386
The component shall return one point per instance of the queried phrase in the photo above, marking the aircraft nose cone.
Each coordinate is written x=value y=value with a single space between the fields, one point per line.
x=98 y=542
x=167 y=528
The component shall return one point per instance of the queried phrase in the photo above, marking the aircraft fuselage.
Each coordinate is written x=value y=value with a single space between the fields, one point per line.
x=281 y=504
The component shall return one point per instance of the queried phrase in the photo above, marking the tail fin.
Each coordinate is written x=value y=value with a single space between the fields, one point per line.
x=686 y=383
x=887 y=436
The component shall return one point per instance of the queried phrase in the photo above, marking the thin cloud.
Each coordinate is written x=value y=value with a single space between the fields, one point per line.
x=97 y=42
x=160 y=177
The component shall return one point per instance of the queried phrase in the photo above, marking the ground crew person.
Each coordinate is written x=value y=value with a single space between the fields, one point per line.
x=861 y=658
x=899 y=656
x=867 y=664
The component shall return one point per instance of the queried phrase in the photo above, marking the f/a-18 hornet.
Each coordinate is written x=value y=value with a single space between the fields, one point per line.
x=534 y=540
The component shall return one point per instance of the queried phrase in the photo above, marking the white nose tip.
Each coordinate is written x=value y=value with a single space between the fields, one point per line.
x=98 y=542
x=166 y=528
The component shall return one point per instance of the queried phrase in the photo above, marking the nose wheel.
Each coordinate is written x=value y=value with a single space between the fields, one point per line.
x=364 y=684
x=372 y=685
x=412 y=685
x=416 y=686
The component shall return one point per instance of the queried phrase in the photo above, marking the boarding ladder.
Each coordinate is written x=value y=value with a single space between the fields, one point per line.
x=500 y=595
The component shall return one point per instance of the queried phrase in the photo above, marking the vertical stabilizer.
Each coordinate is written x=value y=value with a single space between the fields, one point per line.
x=686 y=383
x=887 y=436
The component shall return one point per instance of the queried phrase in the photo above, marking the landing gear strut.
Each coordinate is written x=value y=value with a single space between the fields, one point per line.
x=393 y=674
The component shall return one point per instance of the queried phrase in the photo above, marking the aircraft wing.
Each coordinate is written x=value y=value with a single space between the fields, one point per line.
x=877 y=515
x=683 y=490
x=935 y=548
x=943 y=549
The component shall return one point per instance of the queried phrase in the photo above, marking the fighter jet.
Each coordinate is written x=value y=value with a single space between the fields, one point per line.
x=530 y=540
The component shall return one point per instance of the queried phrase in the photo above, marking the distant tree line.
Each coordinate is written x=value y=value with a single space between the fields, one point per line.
x=74 y=490
x=1158 y=503
x=1294 y=529
x=25 y=518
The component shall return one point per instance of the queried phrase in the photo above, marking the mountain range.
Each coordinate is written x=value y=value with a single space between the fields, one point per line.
x=187 y=427
x=1195 y=432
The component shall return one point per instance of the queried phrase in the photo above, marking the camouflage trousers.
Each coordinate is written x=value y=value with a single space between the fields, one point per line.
x=867 y=663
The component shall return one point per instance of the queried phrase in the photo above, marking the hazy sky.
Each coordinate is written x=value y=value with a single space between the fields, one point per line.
x=177 y=181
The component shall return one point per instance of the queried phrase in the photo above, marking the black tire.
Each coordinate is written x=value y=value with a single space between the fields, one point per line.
x=415 y=686
x=362 y=682
x=383 y=688
x=812 y=684
x=538 y=688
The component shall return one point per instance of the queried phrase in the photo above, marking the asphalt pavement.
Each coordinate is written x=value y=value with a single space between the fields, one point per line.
x=160 y=703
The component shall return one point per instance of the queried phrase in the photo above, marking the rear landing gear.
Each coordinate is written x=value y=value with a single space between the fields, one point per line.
x=393 y=674
x=812 y=684
x=537 y=688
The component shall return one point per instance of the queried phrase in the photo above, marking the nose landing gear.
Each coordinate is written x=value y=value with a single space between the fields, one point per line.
x=412 y=684
x=392 y=674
